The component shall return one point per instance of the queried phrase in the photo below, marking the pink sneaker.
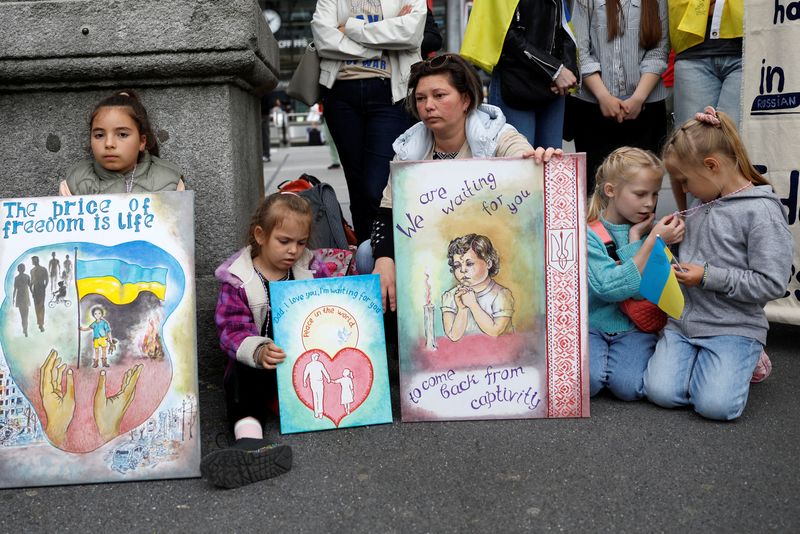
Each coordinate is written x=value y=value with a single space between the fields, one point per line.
x=762 y=370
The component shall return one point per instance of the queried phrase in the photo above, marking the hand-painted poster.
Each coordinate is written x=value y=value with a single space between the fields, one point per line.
x=771 y=119
x=98 y=367
x=335 y=374
x=491 y=297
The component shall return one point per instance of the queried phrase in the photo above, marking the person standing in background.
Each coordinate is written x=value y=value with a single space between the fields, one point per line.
x=707 y=38
x=38 y=288
x=537 y=47
x=366 y=50
x=623 y=50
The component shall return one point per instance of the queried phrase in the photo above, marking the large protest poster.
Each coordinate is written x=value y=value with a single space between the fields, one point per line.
x=771 y=119
x=98 y=366
x=491 y=296
x=335 y=374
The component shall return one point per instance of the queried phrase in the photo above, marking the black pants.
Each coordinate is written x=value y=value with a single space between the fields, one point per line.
x=364 y=123
x=599 y=136
x=249 y=393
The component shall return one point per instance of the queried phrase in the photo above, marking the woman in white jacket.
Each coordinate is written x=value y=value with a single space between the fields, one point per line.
x=366 y=49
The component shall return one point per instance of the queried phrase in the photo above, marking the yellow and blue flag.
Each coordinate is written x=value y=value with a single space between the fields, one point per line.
x=119 y=281
x=487 y=27
x=659 y=284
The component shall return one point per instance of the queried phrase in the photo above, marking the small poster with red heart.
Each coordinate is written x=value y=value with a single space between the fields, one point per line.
x=335 y=374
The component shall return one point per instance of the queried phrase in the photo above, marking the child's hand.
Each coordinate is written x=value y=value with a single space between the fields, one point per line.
x=468 y=298
x=405 y=10
x=458 y=296
x=270 y=355
x=639 y=229
x=671 y=229
x=691 y=275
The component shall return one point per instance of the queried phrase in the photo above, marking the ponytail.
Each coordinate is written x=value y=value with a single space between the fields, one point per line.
x=701 y=136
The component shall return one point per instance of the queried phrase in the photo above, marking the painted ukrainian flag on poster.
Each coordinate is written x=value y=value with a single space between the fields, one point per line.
x=659 y=284
x=118 y=281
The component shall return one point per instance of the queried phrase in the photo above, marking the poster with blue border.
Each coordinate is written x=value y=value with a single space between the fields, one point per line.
x=98 y=364
x=335 y=374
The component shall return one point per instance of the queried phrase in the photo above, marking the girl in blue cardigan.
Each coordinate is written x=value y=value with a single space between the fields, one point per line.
x=620 y=217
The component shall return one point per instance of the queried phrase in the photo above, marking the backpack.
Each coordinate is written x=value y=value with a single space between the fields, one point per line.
x=330 y=230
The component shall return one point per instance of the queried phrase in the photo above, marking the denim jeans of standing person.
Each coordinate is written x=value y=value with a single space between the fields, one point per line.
x=364 y=123
x=618 y=361
x=542 y=125
x=710 y=373
x=711 y=81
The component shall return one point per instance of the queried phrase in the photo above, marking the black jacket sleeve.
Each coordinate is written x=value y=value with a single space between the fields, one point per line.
x=536 y=37
x=432 y=38
x=382 y=236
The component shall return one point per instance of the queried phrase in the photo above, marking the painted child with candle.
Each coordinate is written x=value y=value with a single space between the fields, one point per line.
x=478 y=304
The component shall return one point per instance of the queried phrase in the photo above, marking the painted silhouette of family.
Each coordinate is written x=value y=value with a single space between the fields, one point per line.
x=33 y=286
x=315 y=375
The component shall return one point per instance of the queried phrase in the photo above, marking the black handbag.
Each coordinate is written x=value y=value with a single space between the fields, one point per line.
x=522 y=84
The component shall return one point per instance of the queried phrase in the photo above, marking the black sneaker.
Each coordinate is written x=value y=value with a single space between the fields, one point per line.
x=248 y=461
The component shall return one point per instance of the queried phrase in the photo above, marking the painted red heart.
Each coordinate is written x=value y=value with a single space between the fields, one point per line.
x=309 y=372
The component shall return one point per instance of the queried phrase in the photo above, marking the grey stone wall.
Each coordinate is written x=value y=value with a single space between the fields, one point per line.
x=198 y=66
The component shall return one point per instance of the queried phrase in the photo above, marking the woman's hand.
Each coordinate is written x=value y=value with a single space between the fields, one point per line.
x=565 y=81
x=385 y=268
x=671 y=229
x=405 y=10
x=270 y=355
x=543 y=155
x=691 y=275
x=632 y=107
x=611 y=108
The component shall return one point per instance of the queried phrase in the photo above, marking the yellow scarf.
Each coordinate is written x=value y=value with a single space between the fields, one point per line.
x=688 y=20
x=486 y=31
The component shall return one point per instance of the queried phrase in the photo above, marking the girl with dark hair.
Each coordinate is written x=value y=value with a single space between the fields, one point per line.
x=623 y=47
x=125 y=151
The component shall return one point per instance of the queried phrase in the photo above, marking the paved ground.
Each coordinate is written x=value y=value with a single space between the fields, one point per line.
x=631 y=467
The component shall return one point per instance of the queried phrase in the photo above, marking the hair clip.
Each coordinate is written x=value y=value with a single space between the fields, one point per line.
x=708 y=116
x=289 y=193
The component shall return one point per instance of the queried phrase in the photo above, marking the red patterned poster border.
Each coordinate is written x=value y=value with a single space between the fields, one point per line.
x=565 y=284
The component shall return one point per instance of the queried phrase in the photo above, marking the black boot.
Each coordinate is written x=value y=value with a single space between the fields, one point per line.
x=248 y=461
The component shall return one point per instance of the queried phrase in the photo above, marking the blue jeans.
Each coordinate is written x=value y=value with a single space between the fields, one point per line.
x=710 y=373
x=365 y=262
x=618 y=362
x=542 y=125
x=712 y=81
x=364 y=123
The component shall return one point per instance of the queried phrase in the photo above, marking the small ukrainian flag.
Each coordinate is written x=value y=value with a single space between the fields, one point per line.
x=119 y=281
x=659 y=284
